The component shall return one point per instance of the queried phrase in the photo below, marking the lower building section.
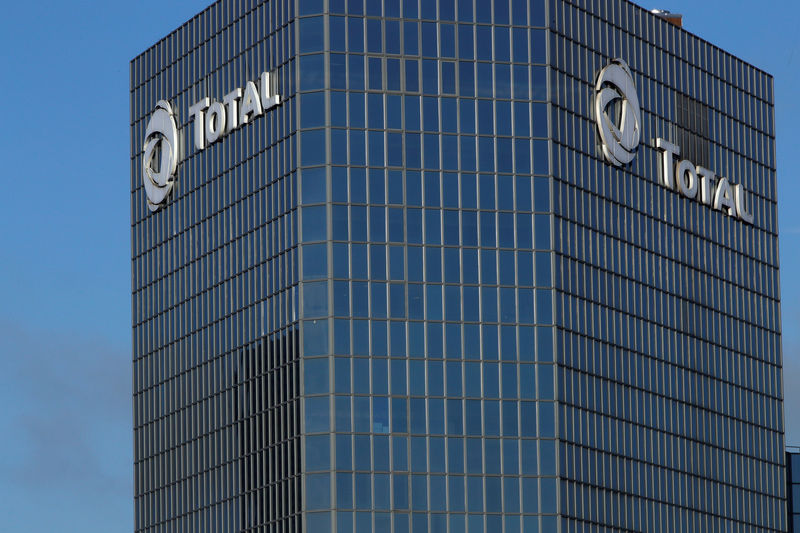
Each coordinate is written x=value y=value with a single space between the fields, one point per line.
x=793 y=489
x=463 y=441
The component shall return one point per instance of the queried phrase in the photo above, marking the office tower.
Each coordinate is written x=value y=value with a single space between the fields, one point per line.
x=453 y=266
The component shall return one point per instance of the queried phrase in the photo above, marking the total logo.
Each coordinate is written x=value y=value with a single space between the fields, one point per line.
x=160 y=138
x=621 y=132
x=211 y=121
x=618 y=117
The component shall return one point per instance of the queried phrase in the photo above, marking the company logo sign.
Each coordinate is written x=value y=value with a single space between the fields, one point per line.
x=160 y=155
x=618 y=117
x=616 y=108
x=212 y=120
x=701 y=184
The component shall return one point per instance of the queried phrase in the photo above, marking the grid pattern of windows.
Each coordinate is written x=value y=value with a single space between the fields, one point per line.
x=793 y=489
x=668 y=312
x=215 y=336
x=427 y=339
x=414 y=297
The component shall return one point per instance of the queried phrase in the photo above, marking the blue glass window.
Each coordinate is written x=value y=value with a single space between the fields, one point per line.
x=312 y=32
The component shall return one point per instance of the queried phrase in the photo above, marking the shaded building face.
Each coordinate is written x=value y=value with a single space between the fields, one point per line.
x=667 y=311
x=411 y=292
x=793 y=489
x=217 y=373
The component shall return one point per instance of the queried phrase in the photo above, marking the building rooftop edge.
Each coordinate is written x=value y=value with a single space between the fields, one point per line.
x=631 y=2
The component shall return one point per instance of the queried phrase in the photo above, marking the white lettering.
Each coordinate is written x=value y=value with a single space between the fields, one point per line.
x=670 y=151
x=707 y=178
x=197 y=112
x=268 y=97
x=215 y=122
x=738 y=194
x=715 y=192
x=251 y=103
x=723 y=198
x=686 y=177
x=231 y=100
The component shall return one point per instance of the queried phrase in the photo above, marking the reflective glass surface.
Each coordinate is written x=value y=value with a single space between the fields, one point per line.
x=216 y=374
x=793 y=489
x=428 y=147
x=668 y=315
x=414 y=297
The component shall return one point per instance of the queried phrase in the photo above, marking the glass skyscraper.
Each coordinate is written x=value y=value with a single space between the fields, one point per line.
x=410 y=294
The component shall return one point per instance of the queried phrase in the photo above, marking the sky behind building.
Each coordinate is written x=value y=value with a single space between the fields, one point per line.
x=66 y=455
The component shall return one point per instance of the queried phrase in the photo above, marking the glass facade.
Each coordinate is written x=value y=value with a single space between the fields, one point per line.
x=668 y=314
x=793 y=489
x=414 y=297
x=216 y=355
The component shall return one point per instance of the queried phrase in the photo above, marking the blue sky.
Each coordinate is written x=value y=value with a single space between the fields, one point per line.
x=65 y=413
